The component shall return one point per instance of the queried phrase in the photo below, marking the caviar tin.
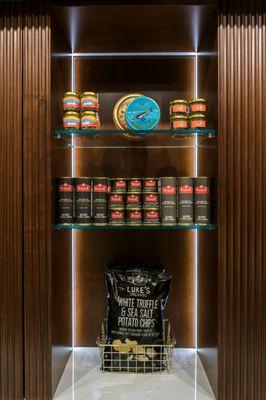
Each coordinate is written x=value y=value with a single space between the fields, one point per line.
x=198 y=106
x=71 y=120
x=117 y=216
x=151 y=216
x=202 y=200
x=133 y=199
x=198 y=121
x=116 y=200
x=134 y=216
x=142 y=113
x=185 y=200
x=89 y=120
x=134 y=185
x=89 y=101
x=71 y=101
x=119 y=185
x=82 y=190
x=149 y=184
x=65 y=200
x=179 y=121
x=179 y=106
x=150 y=199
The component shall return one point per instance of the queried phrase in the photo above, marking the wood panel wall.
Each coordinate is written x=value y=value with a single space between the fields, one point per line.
x=11 y=267
x=36 y=199
x=242 y=168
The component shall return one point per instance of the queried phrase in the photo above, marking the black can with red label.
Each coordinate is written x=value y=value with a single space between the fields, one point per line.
x=117 y=216
x=185 y=200
x=119 y=185
x=168 y=189
x=150 y=199
x=83 y=211
x=202 y=200
x=101 y=187
x=150 y=184
x=134 y=216
x=134 y=199
x=134 y=185
x=65 y=200
x=151 y=216
x=116 y=200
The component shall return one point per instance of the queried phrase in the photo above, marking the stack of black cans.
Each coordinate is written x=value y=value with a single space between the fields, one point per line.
x=166 y=201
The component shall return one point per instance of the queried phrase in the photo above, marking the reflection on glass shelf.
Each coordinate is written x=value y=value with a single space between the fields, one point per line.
x=127 y=227
x=159 y=138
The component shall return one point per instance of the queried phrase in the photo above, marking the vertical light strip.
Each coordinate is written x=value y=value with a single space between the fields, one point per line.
x=73 y=232
x=196 y=232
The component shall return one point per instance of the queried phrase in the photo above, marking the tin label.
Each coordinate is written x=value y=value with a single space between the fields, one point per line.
x=202 y=189
x=152 y=215
x=182 y=108
x=116 y=198
x=198 y=123
x=65 y=187
x=83 y=187
x=117 y=215
x=150 y=184
x=71 y=123
x=151 y=198
x=120 y=184
x=89 y=123
x=71 y=103
x=186 y=189
x=168 y=189
x=198 y=107
x=135 y=215
x=100 y=188
x=135 y=184
x=133 y=199
x=180 y=124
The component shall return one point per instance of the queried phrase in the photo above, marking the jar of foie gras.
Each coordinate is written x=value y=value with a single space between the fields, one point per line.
x=198 y=106
x=198 y=121
x=89 y=120
x=179 y=121
x=179 y=106
x=151 y=216
x=71 y=101
x=89 y=101
x=71 y=120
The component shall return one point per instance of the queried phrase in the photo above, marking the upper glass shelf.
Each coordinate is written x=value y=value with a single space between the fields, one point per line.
x=159 y=138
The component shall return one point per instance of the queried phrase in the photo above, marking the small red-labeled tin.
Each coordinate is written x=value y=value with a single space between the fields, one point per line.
x=116 y=199
x=150 y=199
x=134 y=216
x=119 y=185
x=150 y=184
x=134 y=185
x=179 y=122
x=133 y=199
x=179 y=106
x=151 y=216
x=117 y=216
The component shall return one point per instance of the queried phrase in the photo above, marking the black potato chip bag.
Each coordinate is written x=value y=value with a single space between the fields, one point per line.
x=137 y=295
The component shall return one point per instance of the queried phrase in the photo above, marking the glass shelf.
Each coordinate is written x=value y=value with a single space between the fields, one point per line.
x=127 y=227
x=159 y=138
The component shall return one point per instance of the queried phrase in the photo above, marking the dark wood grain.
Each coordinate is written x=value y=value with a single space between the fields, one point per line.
x=36 y=199
x=242 y=216
x=11 y=258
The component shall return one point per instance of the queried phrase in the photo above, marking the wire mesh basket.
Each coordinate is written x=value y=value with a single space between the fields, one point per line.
x=132 y=357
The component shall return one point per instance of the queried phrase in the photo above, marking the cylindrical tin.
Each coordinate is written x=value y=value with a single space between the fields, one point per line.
x=150 y=199
x=100 y=200
x=119 y=185
x=65 y=200
x=83 y=214
x=116 y=200
x=185 y=201
x=133 y=199
x=71 y=120
x=134 y=216
x=117 y=216
x=150 y=184
x=151 y=216
x=167 y=189
x=71 y=101
x=202 y=200
x=134 y=185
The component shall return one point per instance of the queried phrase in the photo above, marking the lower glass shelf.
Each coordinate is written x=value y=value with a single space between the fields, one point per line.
x=127 y=227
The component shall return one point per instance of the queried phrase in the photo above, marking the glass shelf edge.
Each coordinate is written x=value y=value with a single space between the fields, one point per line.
x=123 y=227
x=180 y=132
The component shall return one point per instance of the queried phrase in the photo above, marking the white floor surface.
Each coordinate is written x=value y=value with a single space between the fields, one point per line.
x=82 y=380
